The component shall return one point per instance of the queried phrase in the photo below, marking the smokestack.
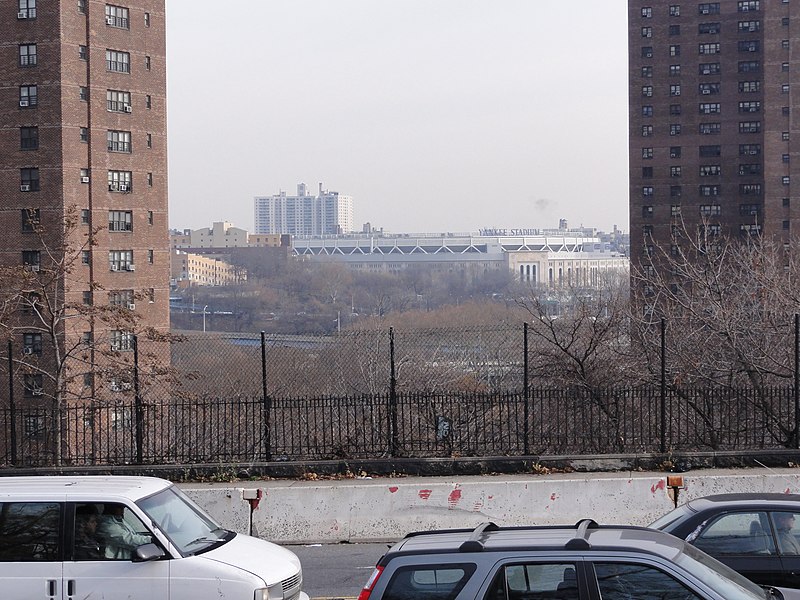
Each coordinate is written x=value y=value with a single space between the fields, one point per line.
x=320 y=188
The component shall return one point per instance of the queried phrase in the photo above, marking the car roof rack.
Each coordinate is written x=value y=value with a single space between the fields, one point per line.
x=474 y=543
x=581 y=541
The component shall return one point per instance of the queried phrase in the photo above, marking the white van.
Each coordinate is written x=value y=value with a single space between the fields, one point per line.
x=65 y=538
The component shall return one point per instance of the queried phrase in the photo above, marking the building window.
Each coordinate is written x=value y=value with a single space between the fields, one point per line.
x=150 y=179
x=121 y=298
x=85 y=216
x=675 y=191
x=147 y=62
x=27 y=55
x=83 y=93
x=82 y=6
x=785 y=136
x=83 y=52
x=149 y=217
x=709 y=190
x=647 y=91
x=647 y=153
x=119 y=141
x=710 y=128
x=647 y=111
x=749 y=210
x=117 y=16
x=674 y=128
x=749 y=126
x=712 y=48
x=27 y=9
x=121 y=341
x=86 y=257
x=118 y=101
x=785 y=44
x=785 y=88
x=647 y=191
x=712 y=28
x=120 y=220
x=647 y=12
x=710 y=170
x=148 y=101
x=674 y=50
x=708 y=89
x=706 y=151
x=29 y=179
x=785 y=158
x=28 y=96
x=647 y=32
x=149 y=140
x=786 y=203
x=675 y=152
x=709 y=68
x=674 y=70
x=674 y=10
x=674 y=171
x=675 y=210
x=785 y=180
x=647 y=52
x=708 y=8
x=675 y=89
x=751 y=106
x=120 y=181
x=31 y=260
x=750 y=189
x=674 y=29
x=749 y=5
x=674 y=109
x=749 y=26
x=32 y=343
x=30 y=219
x=647 y=130
x=710 y=210
x=749 y=87
x=120 y=260
x=87 y=298
x=749 y=169
x=749 y=229
x=709 y=108
x=84 y=134
x=647 y=230
x=118 y=62
x=749 y=66
x=28 y=138
x=749 y=46
x=147 y=19
x=32 y=384
x=647 y=172
x=647 y=71
x=150 y=256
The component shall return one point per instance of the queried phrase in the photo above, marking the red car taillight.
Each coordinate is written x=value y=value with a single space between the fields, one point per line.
x=373 y=579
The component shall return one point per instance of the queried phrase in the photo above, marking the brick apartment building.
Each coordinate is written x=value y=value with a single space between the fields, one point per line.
x=83 y=125
x=714 y=128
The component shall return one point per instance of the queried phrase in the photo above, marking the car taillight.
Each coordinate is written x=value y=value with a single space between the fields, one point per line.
x=373 y=579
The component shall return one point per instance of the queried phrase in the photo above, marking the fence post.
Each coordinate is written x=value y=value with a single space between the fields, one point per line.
x=393 y=435
x=526 y=392
x=663 y=385
x=138 y=407
x=267 y=400
x=797 y=380
x=11 y=407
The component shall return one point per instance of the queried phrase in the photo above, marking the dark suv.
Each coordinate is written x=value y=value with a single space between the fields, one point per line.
x=585 y=562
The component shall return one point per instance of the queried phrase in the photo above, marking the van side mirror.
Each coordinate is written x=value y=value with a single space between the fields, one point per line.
x=148 y=552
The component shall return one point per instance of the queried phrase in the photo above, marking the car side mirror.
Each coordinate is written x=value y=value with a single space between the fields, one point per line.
x=148 y=552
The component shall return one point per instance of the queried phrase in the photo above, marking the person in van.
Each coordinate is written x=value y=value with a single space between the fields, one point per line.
x=120 y=539
x=87 y=546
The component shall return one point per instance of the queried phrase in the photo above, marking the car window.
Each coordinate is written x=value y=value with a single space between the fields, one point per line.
x=665 y=523
x=625 y=581
x=535 y=581
x=787 y=529
x=737 y=534
x=30 y=531
x=428 y=582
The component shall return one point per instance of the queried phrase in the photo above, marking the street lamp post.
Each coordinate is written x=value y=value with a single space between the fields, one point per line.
x=204 y=318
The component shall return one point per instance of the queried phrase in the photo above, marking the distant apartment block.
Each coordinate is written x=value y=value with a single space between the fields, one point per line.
x=189 y=269
x=222 y=234
x=328 y=213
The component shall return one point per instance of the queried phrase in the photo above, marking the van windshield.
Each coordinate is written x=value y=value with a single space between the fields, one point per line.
x=185 y=524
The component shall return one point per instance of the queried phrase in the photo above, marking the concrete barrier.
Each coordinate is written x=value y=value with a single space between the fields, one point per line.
x=357 y=510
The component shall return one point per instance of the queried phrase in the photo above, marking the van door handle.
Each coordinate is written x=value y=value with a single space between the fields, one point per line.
x=51 y=588
x=70 y=588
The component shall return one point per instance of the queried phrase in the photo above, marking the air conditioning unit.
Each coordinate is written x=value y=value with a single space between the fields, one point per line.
x=131 y=306
x=27 y=350
x=33 y=268
x=23 y=14
x=115 y=267
x=24 y=188
x=131 y=267
x=706 y=92
x=84 y=180
x=753 y=151
x=127 y=108
x=23 y=103
x=109 y=20
x=123 y=187
x=113 y=186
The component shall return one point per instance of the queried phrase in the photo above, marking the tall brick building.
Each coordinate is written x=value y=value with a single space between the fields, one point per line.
x=83 y=126
x=714 y=120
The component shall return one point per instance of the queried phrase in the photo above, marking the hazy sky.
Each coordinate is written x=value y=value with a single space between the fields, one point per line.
x=434 y=115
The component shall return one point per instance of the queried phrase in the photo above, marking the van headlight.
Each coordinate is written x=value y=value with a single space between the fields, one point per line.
x=273 y=592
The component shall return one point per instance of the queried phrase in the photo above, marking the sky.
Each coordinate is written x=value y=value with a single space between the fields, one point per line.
x=434 y=115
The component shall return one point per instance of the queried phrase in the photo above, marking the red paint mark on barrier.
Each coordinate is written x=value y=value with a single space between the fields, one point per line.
x=453 y=498
x=787 y=491
x=393 y=489
x=662 y=484
x=553 y=496
x=490 y=497
x=425 y=494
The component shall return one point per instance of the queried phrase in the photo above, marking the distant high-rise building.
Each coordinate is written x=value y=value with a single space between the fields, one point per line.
x=83 y=138
x=328 y=213
x=714 y=126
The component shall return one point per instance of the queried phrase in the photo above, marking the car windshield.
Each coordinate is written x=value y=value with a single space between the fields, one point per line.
x=664 y=523
x=723 y=579
x=185 y=524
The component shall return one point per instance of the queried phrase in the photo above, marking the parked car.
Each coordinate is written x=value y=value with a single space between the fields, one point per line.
x=129 y=538
x=757 y=535
x=585 y=562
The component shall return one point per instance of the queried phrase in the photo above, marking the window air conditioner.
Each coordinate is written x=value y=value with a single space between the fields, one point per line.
x=113 y=186
x=131 y=267
x=705 y=92
x=115 y=267
x=33 y=268
x=84 y=180
x=123 y=187
x=24 y=188
x=127 y=108
x=27 y=350
x=23 y=103
x=131 y=306
x=109 y=20
x=23 y=14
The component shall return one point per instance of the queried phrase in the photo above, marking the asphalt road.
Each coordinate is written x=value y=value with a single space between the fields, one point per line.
x=337 y=570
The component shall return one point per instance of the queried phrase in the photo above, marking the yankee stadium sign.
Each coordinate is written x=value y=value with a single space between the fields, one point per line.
x=507 y=232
